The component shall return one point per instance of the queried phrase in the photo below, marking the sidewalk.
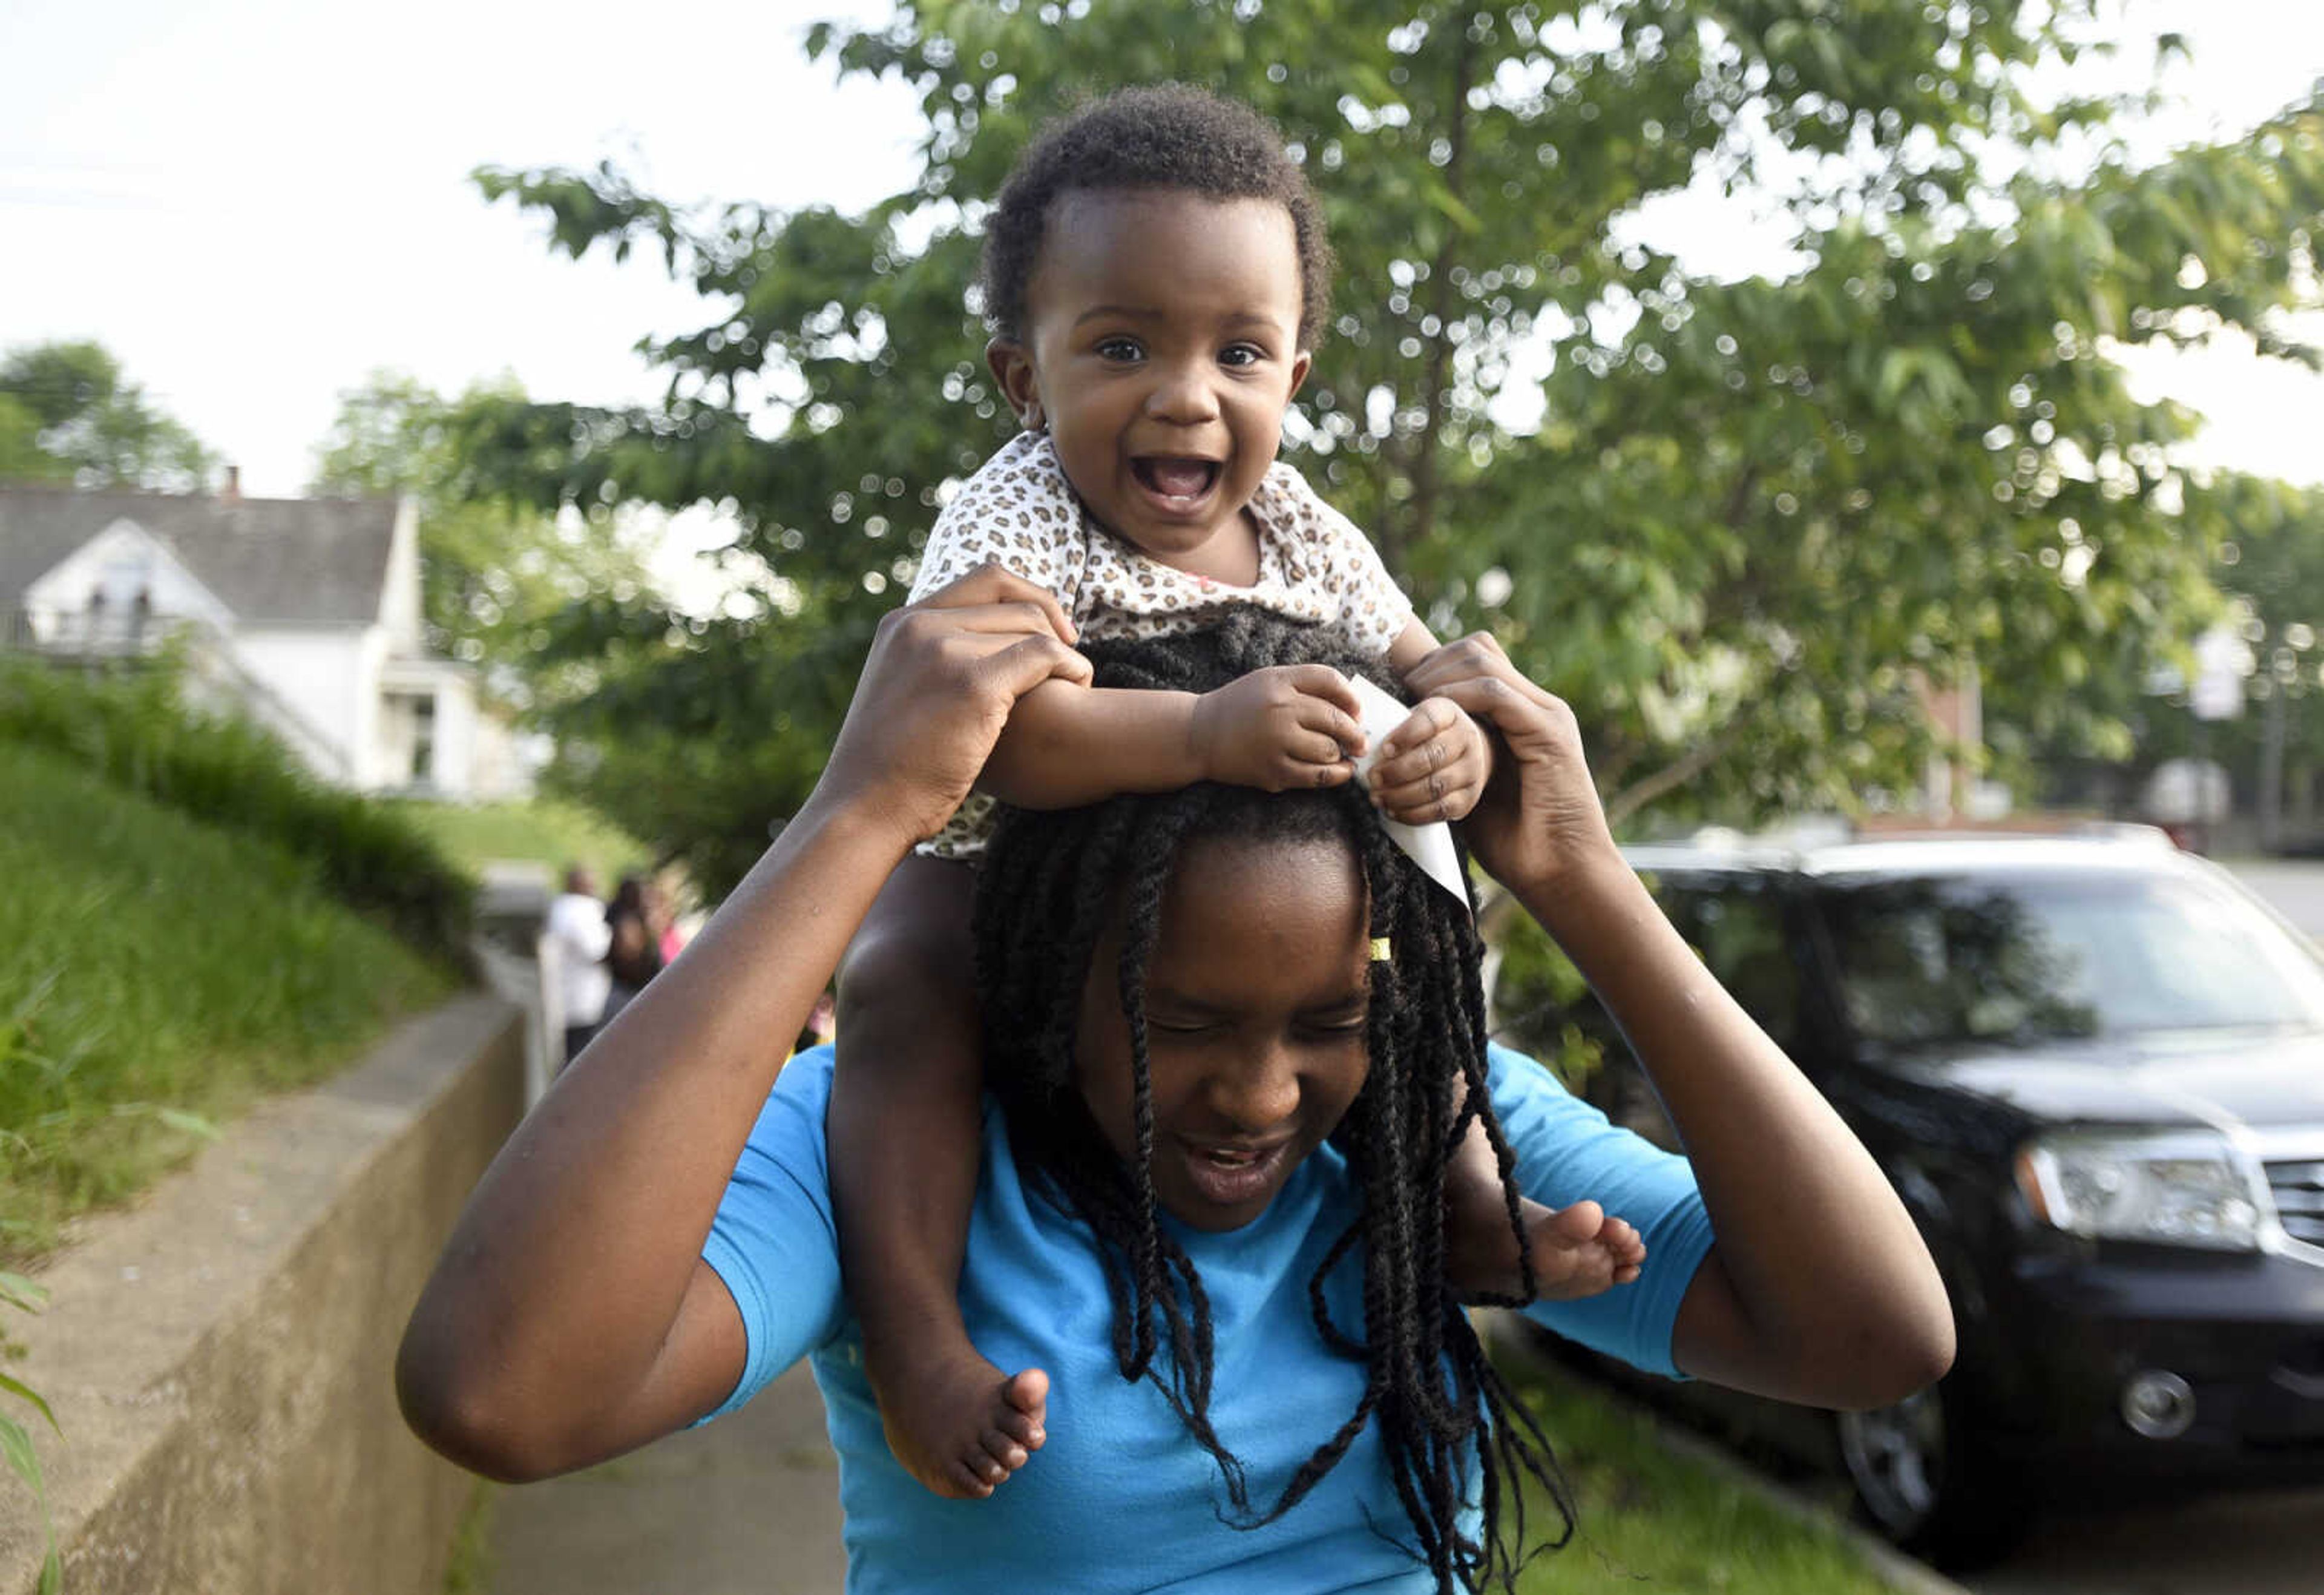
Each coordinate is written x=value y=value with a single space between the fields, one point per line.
x=747 y=1505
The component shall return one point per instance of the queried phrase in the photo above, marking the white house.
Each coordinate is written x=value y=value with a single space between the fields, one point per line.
x=304 y=612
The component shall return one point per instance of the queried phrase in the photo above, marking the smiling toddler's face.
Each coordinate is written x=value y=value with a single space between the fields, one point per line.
x=1161 y=349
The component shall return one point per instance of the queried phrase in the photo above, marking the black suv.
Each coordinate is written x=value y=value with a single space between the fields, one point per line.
x=2094 y=1068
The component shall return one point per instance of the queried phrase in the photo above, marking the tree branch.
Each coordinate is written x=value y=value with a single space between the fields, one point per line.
x=1672 y=776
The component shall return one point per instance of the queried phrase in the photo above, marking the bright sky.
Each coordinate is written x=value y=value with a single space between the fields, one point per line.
x=253 y=203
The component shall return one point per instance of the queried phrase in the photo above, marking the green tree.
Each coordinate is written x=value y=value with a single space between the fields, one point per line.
x=2275 y=568
x=67 y=414
x=1750 y=514
x=557 y=604
x=21 y=457
x=498 y=580
x=2270 y=572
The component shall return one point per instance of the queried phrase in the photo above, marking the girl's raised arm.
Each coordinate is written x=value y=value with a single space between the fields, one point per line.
x=1818 y=1288
x=570 y=1317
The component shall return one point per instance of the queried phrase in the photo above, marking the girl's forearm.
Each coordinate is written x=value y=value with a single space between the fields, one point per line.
x=563 y=1280
x=1833 y=1283
x=1067 y=744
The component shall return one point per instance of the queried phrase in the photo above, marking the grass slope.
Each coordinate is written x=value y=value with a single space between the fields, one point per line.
x=1652 y=1519
x=159 y=973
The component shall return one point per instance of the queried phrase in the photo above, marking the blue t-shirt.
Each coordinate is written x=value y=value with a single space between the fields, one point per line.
x=1122 y=1497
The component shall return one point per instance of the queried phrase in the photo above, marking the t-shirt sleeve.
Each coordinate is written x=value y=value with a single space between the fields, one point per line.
x=1566 y=1150
x=1016 y=512
x=774 y=1241
x=1373 y=610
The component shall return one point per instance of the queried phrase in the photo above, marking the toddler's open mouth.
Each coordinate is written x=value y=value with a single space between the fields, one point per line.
x=1181 y=480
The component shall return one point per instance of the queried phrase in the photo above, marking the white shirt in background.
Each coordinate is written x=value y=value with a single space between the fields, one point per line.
x=577 y=938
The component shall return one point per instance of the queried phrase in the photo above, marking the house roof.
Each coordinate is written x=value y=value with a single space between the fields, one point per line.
x=317 y=561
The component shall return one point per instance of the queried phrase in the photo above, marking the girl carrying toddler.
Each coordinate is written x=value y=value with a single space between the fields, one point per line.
x=1156 y=275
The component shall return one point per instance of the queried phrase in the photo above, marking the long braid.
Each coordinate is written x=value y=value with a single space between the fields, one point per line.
x=1141 y=917
x=1476 y=1090
x=1052 y=885
x=1425 y=1429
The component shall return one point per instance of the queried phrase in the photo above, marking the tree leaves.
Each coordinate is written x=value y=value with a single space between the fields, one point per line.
x=68 y=414
x=499 y=579
x=1754 y=515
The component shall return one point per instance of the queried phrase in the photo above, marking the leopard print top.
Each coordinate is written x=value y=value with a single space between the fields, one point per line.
x=1020 y=511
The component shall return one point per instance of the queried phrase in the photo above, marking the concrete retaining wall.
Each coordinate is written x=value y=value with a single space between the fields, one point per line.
x=220 y=1357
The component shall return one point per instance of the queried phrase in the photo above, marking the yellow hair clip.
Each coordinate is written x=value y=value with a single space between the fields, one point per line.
x=1383 y=950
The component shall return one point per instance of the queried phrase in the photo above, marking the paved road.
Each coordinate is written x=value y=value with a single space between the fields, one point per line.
x=2296 y=888
x=2252 y=1545
x=746 y=1506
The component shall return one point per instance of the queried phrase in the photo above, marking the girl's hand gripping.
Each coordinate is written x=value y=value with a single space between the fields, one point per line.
x=1284 y=726
x=937 y=689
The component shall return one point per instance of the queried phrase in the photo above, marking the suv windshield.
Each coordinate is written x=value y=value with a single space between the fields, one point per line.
x=2023 y=958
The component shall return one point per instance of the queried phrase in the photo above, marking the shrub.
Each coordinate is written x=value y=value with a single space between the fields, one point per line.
x=169 y=974
x=134 y=729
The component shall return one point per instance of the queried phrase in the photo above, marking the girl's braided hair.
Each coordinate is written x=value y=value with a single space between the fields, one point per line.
x=1050 y=886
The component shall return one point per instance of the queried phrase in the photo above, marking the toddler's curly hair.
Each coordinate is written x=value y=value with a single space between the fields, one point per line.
x=1167 y=136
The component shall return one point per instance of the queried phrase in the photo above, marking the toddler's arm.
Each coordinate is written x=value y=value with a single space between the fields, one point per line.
x=1288 y=725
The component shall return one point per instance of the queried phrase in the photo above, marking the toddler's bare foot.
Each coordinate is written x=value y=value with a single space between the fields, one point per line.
x=1576 y=1251
x=957 y=1424
x=1580 y=1250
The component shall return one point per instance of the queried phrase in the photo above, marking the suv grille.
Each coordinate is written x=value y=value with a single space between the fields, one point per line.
x=2299 y=1187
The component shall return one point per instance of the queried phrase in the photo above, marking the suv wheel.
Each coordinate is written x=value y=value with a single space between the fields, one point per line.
x=1927 y=1481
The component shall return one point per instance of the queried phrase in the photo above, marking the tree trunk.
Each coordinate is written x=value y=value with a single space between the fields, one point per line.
x=1403 y=533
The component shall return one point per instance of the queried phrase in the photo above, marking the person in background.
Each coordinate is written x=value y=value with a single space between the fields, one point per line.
x=634 y=955
x=662 y=918
x=822 y=1024
x=576 y=937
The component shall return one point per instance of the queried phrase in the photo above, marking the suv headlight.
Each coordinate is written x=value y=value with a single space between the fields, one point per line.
x=2185 y=1188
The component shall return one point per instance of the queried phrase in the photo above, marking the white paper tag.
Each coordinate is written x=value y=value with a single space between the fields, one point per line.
x=1430 y=846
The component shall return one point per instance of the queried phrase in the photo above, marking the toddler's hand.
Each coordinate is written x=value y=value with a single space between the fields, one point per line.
x=1434 y=766
x=1284 y=726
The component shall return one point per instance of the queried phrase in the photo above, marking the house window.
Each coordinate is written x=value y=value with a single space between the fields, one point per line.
x=423 y=740
x=122 y=601
x=126 y=577
x=407 y=739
